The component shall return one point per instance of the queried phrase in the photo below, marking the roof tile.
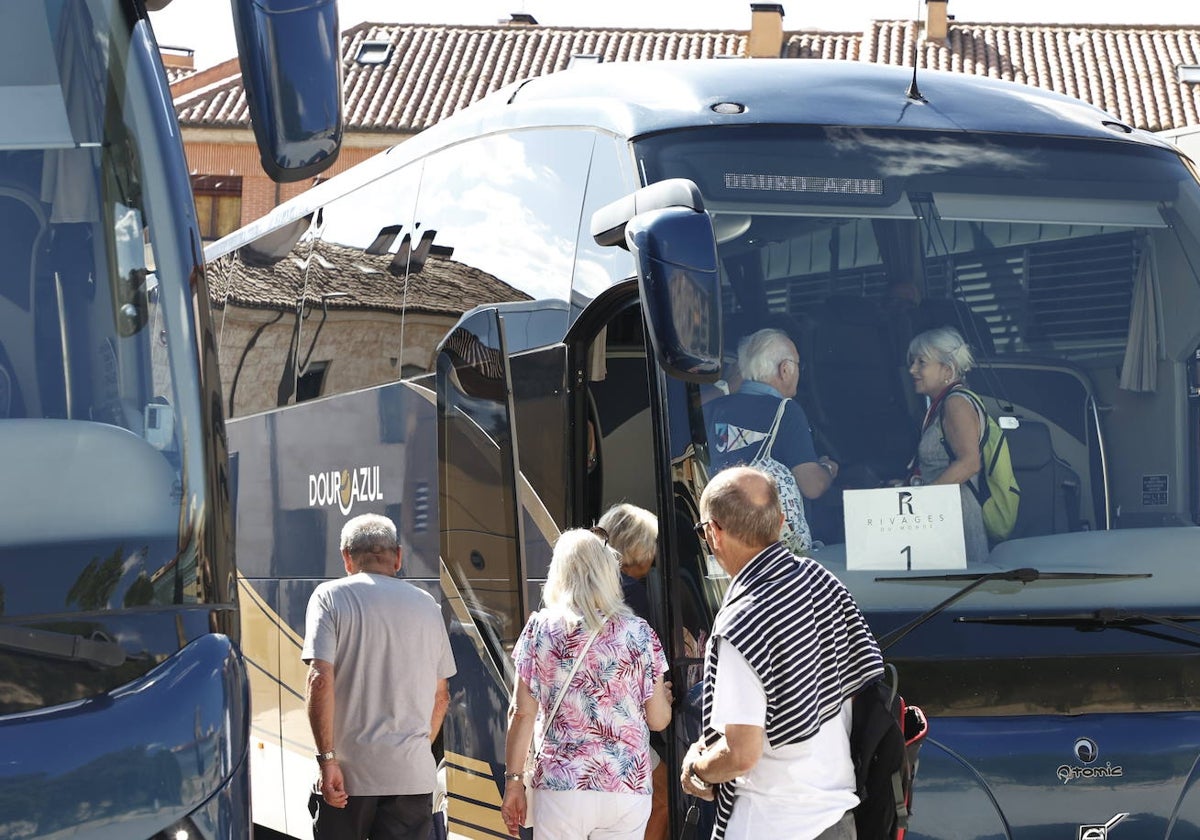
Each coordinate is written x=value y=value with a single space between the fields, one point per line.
x=1129 y=71
x=433 y=71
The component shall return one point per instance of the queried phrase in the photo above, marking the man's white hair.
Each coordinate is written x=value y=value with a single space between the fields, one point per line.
x=761 y=353
x=369 y=532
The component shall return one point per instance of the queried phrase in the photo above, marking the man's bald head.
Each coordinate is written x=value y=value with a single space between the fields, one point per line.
x=744 y=501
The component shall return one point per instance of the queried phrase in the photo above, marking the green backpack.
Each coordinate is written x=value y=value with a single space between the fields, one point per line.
x=998 y=494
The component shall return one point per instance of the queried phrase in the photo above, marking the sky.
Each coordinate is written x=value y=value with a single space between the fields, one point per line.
x=206 y=26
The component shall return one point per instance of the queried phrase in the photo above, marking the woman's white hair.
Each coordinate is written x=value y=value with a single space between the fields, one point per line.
x=633 y=532
x=761 y=353
x=945 y=345
x=583 y=583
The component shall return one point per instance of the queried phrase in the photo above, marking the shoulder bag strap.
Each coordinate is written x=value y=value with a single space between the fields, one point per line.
x=977 y=404
x=566 y=685
x=764 y=451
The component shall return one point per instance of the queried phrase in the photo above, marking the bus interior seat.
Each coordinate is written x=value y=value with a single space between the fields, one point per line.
x=6 y=392
x=121 y=481
x=20 y=240
x=853 y=388
x=1049 y=487
x=1057 y=392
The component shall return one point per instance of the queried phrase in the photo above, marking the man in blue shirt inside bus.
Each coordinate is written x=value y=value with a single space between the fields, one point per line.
x=740 y=423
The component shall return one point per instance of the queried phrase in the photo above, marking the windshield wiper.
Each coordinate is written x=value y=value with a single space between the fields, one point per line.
x=73 y=648
x=977 y=579
x=1092 y=619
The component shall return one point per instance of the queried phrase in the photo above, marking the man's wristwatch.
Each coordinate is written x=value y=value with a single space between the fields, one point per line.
x=695 y=779
x=325 y=757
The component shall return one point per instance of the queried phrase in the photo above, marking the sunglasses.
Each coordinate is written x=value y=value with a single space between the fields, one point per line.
x=700 y=526
x=601 y=533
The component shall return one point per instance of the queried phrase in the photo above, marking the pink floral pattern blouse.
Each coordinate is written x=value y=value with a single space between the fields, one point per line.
x=598 y=739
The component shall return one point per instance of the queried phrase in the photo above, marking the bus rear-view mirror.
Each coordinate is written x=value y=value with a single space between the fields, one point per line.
x=290 y=53
x=676 y=257
x=671 y=237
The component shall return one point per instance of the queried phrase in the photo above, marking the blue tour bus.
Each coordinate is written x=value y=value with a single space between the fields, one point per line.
x=518 y=317
x=123 y=694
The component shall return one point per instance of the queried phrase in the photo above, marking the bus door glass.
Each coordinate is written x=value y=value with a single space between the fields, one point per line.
x=477 y=456
x=259 y=304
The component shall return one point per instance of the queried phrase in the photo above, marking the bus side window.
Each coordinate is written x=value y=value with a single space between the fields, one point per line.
x=360 y=284
x=262 y=294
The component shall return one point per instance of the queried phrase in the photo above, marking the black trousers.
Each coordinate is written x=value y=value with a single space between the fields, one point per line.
x=408 y=817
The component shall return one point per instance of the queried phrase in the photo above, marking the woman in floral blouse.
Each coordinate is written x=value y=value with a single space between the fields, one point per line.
x=593 y=772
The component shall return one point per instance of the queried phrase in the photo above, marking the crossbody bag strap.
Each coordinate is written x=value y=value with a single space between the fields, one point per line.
x=764 y=450
x=566 y=685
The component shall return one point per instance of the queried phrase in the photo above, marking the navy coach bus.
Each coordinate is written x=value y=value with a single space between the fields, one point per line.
x=507 y=323
x=123 y=695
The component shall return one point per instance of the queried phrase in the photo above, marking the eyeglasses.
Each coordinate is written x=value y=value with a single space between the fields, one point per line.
x=602 y=533
x=700 y=526
x=795 y=362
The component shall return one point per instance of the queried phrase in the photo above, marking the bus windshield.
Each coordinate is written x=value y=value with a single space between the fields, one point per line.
x=1069 y=266
x=94 y=332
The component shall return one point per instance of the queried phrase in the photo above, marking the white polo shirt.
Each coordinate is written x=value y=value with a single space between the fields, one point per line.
x=795 y=791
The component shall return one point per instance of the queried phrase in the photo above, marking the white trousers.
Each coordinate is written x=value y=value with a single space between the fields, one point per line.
x=589 y=815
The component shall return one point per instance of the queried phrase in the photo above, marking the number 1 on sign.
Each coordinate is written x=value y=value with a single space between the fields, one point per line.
x=907 y=552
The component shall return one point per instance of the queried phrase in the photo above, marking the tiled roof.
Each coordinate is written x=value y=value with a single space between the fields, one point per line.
x=432 y=71
x=178 y=74
x=428 y=72
x=347 y=278
x=1129 y=71
x=844 y=46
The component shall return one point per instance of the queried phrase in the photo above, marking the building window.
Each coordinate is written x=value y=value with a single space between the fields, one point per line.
x=310 y=383
x=218 y=204
x=374 y=52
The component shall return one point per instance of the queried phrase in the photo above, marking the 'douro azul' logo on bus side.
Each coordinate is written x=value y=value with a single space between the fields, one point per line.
x=1087 y=753
x=344 y=487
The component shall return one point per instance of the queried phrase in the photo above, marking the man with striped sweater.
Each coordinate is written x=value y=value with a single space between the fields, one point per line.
x=788 y=651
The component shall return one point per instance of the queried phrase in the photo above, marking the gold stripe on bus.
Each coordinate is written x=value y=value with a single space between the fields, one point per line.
x=463 y=814
x=277 y=677
x=472 y=833
x=465 y=762
x=472 y=791
x=536 y=508
x=248 y=589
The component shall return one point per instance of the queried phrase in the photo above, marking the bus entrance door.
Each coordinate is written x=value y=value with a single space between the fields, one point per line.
x=483 y=579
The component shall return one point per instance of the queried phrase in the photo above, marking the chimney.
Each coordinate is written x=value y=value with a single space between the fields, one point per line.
x=766 y=31
x=936 y=20
x=520 y=19
x=177 y=58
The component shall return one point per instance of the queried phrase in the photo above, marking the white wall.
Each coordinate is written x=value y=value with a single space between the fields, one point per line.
x=1187 y=138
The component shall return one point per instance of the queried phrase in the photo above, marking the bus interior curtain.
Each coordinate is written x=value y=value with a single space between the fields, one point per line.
x=598 y=357
x=1139 y=371
x=68 y=182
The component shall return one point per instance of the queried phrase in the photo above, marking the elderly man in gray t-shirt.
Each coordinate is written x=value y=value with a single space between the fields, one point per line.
x=378 y=663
